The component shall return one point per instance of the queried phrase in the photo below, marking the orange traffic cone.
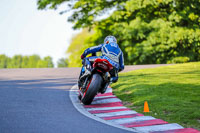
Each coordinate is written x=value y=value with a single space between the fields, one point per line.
x=146 y=107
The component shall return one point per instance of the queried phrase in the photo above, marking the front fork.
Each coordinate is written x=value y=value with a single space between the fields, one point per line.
x=82 y=87
x=85 y=83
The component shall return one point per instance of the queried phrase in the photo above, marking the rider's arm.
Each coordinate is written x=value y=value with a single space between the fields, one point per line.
x=121 y=62
x=92 y=50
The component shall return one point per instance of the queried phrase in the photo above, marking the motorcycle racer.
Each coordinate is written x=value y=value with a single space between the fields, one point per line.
x=110 y=51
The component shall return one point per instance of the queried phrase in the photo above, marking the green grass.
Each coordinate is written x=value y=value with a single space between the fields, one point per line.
x=172 y=92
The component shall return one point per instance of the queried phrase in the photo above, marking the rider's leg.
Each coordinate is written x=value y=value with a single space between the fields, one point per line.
x=114 y=71
x=113 y=79
x=114 y=75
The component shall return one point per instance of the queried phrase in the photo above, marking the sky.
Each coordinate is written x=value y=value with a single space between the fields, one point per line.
x=26 y=30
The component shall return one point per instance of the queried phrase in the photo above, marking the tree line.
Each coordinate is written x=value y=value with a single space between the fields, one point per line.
x=33 y=61
x=148 y=31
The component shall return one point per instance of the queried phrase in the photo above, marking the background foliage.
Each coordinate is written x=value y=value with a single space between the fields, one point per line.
x=19 y=61
x=148 y=31
x=172 y=92
x=63 y=62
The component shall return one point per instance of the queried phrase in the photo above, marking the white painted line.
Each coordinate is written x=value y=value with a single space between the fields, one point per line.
x=147 y=129
x=105 y=108
x=116 y=113
x=108 y=90
x=110 y=100
x=99 y=98
x=104 y=96
x=134 y=119
x=75 y=101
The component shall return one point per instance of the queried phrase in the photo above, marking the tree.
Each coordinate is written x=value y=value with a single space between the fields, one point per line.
x=16 y=61
x=85 y=12
x=25 y=62
x=42 y=64
x=49 y=61
x=148 y=31
x=33 y=61
x=79 y=42
x=62 y=62
x=19 y=61
x=3 y=61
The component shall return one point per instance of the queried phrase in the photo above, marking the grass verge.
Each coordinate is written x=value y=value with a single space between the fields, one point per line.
x=172 y=92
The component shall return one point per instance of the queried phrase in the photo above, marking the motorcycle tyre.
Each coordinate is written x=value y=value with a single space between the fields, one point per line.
x=79 y=96
x=93 y=89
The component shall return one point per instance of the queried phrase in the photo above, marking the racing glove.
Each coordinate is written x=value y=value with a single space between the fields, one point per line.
x=82 y=57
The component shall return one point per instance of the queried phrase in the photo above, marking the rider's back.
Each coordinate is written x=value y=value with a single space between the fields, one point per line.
x=112 y=51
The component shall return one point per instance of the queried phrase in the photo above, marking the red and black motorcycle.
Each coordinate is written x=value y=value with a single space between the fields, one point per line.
x=96 y=83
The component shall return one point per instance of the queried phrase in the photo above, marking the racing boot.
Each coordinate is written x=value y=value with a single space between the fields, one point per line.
x=113 y=79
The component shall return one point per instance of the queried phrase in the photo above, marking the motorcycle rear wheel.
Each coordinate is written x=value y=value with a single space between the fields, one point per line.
x=92 y=89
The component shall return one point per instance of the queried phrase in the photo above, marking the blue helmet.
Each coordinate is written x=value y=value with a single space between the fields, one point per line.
x=110 y=39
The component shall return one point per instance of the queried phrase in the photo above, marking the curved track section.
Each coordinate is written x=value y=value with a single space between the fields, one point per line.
x=81 y=109
x=37 y=101
x=107 y=108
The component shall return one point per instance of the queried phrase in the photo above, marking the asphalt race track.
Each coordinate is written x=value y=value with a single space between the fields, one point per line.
x=37 y=101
